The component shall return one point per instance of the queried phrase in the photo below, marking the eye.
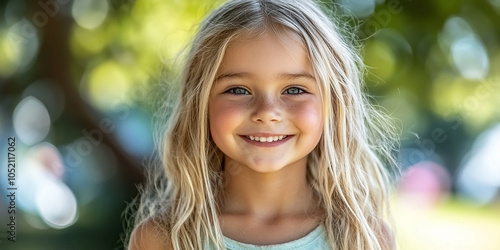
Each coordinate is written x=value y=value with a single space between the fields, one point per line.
x=293 y=91
x=237 y=91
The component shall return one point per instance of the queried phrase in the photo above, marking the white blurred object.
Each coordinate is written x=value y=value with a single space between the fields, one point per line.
x=55 y=202
x=479 y=177
x=470 y=57
x=44 y=193
x=467 y=51
x=31 y=120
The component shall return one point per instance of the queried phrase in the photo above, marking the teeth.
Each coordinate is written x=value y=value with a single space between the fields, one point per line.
x=267 y=139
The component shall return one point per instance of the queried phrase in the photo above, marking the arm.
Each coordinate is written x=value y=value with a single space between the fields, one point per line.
x=147 y=236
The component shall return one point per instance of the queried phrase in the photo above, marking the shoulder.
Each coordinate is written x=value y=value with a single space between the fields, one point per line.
x=387 y=237
x=149 y=235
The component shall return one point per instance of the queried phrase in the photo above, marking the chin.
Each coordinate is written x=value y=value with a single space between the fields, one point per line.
x=266 y=168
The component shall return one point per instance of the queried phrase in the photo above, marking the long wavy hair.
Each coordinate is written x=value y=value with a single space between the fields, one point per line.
x=349 y=169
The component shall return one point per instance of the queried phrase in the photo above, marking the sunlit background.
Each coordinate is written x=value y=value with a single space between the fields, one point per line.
x=80 y=81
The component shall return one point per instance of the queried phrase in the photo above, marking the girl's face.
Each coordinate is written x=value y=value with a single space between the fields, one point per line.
x=265 y=107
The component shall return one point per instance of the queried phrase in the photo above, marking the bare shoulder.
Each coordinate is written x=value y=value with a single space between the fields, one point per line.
x=149 y=236
x=387 y=237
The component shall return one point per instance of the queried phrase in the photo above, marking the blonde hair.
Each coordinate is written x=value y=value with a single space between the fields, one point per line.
x=348 y=169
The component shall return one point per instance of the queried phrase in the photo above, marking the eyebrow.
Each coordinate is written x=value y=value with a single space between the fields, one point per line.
x=233 y=75
x=294 y=76
x=281 y=76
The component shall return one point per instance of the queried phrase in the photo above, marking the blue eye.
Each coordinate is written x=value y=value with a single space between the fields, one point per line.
x=294 y=91
x=237 y=91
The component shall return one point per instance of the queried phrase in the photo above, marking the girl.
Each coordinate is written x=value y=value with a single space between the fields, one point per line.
x=272 y=142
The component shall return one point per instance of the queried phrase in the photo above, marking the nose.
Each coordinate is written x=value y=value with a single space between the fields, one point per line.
x=266 y=110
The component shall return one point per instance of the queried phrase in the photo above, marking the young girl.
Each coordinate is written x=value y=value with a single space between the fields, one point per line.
x=272 y=143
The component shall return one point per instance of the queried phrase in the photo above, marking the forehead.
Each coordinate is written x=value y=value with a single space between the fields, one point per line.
x=266 y=52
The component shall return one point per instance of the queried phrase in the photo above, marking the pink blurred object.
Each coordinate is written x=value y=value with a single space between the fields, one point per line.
x=48 y=156
x=425 y=184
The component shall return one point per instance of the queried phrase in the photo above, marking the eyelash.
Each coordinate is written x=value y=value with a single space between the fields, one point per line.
x=232 y=91
x=300 y=90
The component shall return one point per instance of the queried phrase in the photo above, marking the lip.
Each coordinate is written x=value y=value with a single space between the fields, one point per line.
x=264 y=134
x=266 y=144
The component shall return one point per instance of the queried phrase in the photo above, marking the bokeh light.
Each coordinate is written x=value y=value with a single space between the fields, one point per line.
x=19 y=45
x=139 y=143
x=90 y=163
x=56 y=203
x=425 y=184
x=22 y=44
x=31 y=120
x=49 y=94
x=90 y=14
x=360 y=8
x=479 y=177
x=45 y=194
x=470 y=58
x=107 y=85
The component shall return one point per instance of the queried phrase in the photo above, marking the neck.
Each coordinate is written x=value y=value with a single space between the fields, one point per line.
x=267 y=196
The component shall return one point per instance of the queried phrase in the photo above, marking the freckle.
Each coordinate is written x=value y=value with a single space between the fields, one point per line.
x=258 y=103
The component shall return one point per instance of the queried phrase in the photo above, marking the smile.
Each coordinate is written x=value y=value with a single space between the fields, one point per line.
x=266 y=139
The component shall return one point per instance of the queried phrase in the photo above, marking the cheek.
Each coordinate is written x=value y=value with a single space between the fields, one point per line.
x=224 y=119
x=309 y=117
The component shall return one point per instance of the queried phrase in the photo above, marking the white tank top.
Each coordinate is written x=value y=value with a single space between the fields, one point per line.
x=315 y=240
